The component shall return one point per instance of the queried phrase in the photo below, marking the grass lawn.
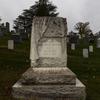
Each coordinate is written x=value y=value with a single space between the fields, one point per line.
x=87 y=70
x=14 y=63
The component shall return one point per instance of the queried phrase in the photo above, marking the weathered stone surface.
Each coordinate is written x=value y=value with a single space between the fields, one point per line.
x=49 y=83
x=70 y=92
x=48 y=41
x=48 y=76
x=52 y=52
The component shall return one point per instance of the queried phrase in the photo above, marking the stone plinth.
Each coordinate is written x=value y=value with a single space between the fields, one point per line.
x=49 y=76
x=51 y=83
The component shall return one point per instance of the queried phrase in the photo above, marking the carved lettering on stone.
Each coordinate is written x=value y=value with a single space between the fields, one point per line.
x=50 y=48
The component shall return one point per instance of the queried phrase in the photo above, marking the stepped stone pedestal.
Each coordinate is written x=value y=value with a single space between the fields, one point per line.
x=49 y=78
x=49 y=84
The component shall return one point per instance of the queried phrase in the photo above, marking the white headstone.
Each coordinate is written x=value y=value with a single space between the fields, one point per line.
x=98 y=43
x=90 y=48
x=72 y=46
x=85 y=53
x=10 y=44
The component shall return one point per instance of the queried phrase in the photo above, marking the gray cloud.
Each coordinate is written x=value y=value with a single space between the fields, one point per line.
x=73 y=10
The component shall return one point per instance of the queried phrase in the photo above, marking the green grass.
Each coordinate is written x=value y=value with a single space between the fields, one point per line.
x=3 y=41
x=14 y=62
x=87 y=70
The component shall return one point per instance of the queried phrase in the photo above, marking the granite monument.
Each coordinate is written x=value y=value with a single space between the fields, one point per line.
x=49 y=78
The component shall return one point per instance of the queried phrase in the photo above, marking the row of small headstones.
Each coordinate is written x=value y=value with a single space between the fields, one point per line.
x=85 y=50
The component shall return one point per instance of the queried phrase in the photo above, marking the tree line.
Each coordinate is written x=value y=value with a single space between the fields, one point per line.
x=23 y=23
x=4 y=28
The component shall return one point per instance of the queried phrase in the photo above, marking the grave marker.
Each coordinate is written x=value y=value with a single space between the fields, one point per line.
x=49 y=78
x=72 y=46
x=85 y=53
x=10 y=44
x=90 y=48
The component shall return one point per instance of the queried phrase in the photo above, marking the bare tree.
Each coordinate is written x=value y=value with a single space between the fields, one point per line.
x=83 y=28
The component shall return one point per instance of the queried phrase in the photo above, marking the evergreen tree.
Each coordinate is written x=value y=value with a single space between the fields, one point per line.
x=40 y=8
x=45 y=8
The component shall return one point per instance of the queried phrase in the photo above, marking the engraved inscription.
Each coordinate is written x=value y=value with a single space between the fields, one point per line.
x=50 y=48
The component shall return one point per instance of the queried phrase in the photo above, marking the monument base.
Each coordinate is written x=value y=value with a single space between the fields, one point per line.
x=49 y=84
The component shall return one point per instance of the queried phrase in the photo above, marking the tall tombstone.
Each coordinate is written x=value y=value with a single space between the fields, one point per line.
x=10 y=44
x=48 y=44
x=49 y=78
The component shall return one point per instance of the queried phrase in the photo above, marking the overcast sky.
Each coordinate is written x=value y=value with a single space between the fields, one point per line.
x=73 y=10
